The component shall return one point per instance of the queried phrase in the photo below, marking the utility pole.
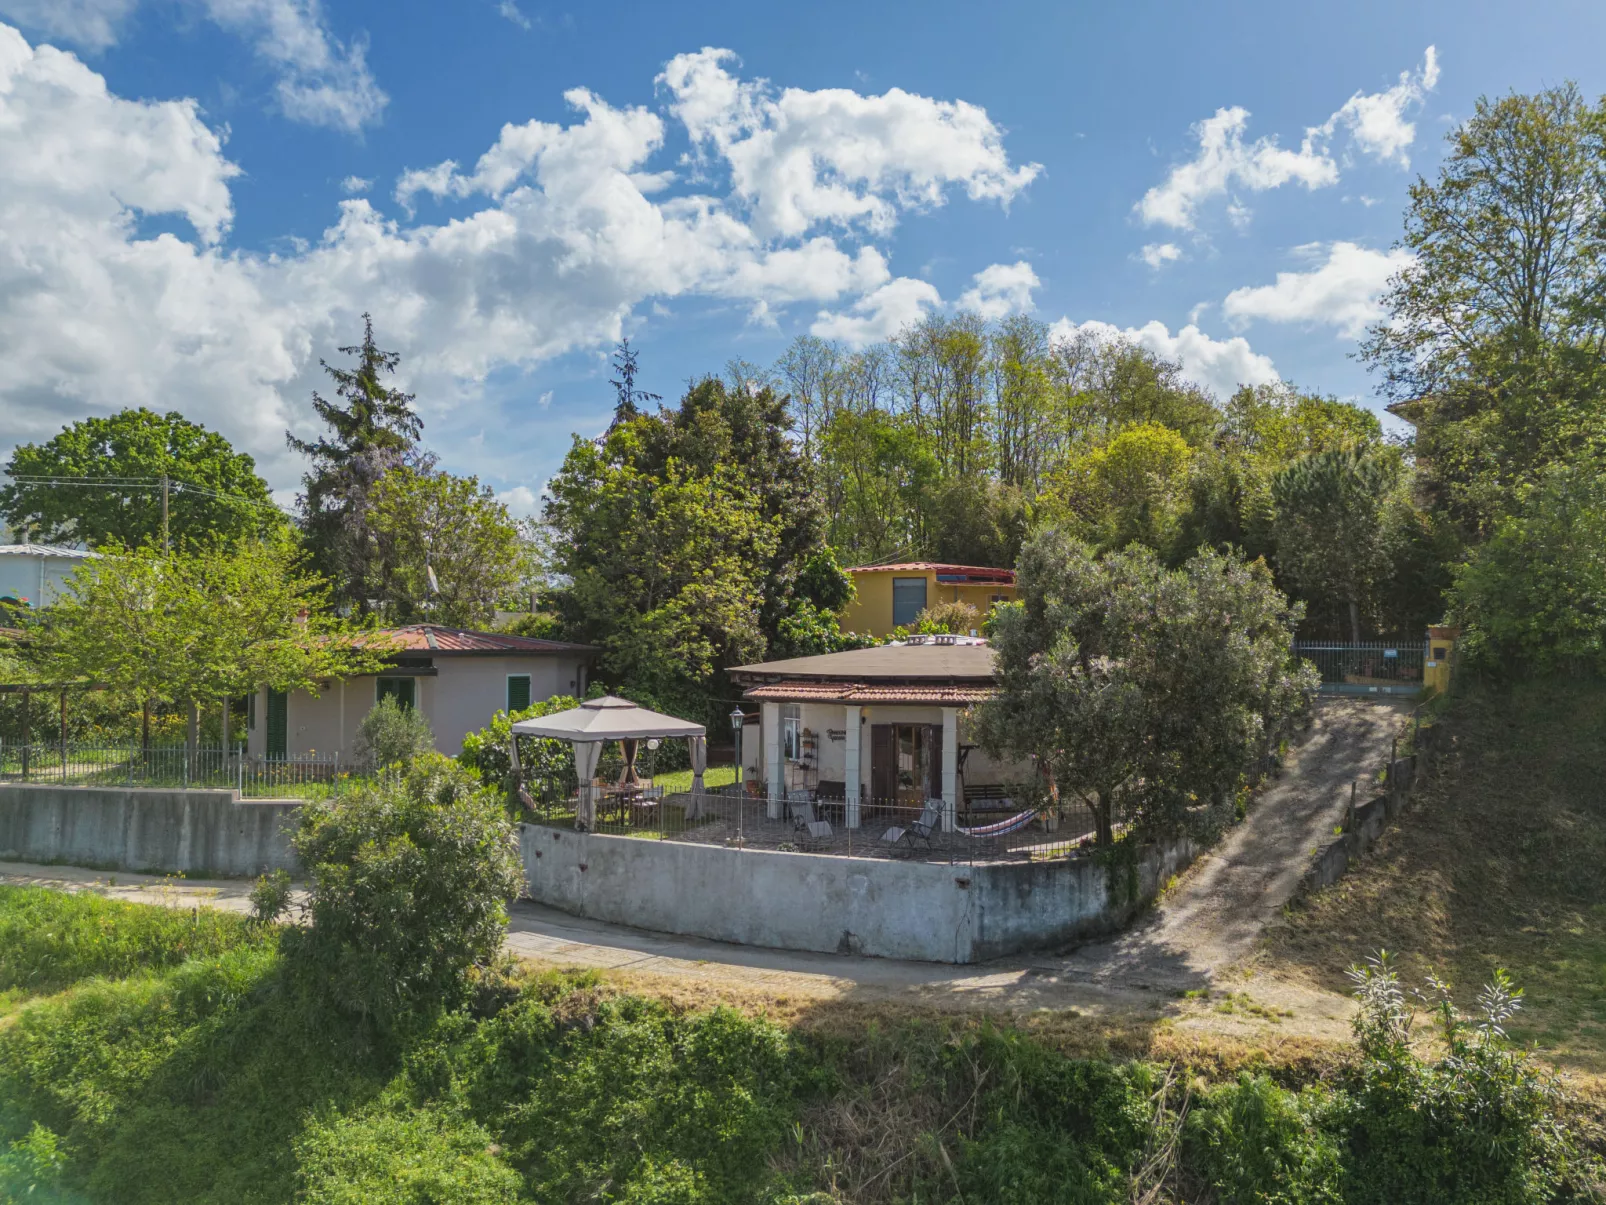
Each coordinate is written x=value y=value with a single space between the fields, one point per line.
x=164 y=513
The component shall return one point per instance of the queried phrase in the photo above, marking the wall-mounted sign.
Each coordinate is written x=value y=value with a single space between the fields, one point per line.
x=836 y=734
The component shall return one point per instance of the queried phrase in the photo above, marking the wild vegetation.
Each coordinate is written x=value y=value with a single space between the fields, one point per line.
x=152 y=1055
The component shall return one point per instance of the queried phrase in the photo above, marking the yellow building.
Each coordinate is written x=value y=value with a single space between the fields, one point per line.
x=890 y=596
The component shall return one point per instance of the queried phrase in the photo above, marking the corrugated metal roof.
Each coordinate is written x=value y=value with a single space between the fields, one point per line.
x=862 y=693
x=890 y=662
x=76 y=554
x=431 y=637
x=977 y=573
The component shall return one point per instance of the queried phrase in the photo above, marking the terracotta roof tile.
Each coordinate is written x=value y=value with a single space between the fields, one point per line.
x=808 y=691
x=434 y=638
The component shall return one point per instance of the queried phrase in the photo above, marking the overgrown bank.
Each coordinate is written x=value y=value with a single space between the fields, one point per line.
x=1496 y=864
x=148 y=1055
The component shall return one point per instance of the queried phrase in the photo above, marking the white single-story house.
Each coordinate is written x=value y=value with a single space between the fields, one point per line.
x=884 y=727
x=35 y=575
x=458 y=679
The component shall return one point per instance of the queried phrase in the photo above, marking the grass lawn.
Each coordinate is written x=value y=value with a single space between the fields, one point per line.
x=1496 y=863
x=680 y=780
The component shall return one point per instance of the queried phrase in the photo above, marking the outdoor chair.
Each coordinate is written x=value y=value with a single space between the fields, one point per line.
x=899 y=837
x=810 y=828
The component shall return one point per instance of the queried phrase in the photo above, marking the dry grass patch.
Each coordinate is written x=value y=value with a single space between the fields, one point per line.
x=1497 y=863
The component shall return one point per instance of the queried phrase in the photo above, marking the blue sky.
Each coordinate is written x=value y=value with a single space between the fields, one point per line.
x=198 y=197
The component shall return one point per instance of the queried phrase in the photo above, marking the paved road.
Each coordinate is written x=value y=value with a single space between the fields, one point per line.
x=1195 y=939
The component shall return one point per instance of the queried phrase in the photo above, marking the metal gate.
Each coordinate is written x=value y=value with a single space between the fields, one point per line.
x=1372 y=667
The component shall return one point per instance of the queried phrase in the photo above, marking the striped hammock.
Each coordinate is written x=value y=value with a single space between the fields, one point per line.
x=1001 y=828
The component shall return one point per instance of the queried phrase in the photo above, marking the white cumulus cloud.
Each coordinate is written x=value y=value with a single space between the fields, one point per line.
x=1000 y=290
x=1340 y=291
x=352 y=185
x=1157 y=255
x=1219 y=365
x=321 y=80
x=1226 y=161
x=801 y=158
x=881 y=314
x=561 y=231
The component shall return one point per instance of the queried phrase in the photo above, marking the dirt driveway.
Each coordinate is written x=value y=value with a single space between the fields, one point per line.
x=1182 y=961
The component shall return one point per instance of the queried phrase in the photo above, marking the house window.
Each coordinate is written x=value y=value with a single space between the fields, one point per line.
x=518 y=692
x=908 y=600
x=400 y=689
x=791 y=732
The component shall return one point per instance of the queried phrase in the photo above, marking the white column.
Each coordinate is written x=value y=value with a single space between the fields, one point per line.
x=852 y=775
x=950 y=768
x=770 y=723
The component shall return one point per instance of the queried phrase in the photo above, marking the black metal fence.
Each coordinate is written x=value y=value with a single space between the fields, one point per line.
x=300 y=775
x=871 y=828
x=1387 y=667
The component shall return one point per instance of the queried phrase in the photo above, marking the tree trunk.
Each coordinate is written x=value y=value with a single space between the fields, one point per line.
x=1354 y=620
x=1101 y=819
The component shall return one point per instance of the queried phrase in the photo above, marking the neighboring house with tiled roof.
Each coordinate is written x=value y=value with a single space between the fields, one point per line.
x=885 y=725
x=458 y=679
x=890 y=596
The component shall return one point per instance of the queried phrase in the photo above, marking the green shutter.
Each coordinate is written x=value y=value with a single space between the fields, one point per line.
x=278 y=723
x=518 y=692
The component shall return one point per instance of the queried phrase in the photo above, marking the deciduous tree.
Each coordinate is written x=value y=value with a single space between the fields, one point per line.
x=213 y=492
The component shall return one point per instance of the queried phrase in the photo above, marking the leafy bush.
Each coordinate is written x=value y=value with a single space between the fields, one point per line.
x=271 y=896
x=1533 y=598
x=548 y=765
x=31 y=1170
x=409 y=1158
x=1477 y=1125
x=1254 y=1141
x=410 y=876
x=391 y=734
x=952 y=615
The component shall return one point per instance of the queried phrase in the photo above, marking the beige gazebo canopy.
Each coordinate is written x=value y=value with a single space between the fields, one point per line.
x=612 y=719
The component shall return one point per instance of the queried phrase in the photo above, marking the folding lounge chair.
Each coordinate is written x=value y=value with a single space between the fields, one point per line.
x=810 y=828
x=918 y=830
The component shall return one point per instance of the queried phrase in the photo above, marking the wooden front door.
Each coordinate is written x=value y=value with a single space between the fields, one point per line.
x=905 y=763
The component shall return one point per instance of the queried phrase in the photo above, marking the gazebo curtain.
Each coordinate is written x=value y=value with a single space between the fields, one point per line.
x=586 y=756
x=699 y=763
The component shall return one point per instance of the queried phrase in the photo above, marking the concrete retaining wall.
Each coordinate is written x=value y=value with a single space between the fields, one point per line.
x=797 y=901
x=1363 y=824
x=144 y=829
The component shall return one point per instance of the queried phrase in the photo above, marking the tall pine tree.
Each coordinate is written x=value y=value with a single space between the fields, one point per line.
x=372 y=429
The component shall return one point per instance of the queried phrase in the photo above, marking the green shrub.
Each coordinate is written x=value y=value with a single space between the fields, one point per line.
x=417 y=1157
x=1479 y=1125
x=548 y=765
x=391 y=734
x=49 y=939
x=271 y=896
x=1254 y=1141
x=31 y=1170
x=409 y=880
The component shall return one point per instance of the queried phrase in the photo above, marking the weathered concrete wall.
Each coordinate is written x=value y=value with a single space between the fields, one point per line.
x=795 y=901
x=1363 y=824
x=133 y=828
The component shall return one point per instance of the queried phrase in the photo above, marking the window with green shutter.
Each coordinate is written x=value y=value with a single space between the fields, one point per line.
x=518 y=692
x=278 y=723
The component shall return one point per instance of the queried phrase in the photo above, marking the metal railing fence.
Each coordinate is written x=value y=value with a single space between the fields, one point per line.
x=175 y=765
x=872 y=828
x=1367 y=667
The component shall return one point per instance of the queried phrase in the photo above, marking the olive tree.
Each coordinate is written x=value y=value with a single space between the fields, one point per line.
x=1143 y=691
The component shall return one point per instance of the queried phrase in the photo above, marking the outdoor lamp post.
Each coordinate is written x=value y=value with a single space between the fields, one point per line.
x=737 y=719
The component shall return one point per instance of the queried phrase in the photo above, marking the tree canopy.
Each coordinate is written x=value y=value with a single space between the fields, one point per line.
x=372 y=429
x=1145 y=692
x=214 y=492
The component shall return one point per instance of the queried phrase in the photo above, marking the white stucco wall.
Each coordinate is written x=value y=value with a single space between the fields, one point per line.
x=460 y=698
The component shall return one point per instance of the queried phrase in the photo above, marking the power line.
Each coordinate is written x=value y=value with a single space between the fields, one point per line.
x=142 y=483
